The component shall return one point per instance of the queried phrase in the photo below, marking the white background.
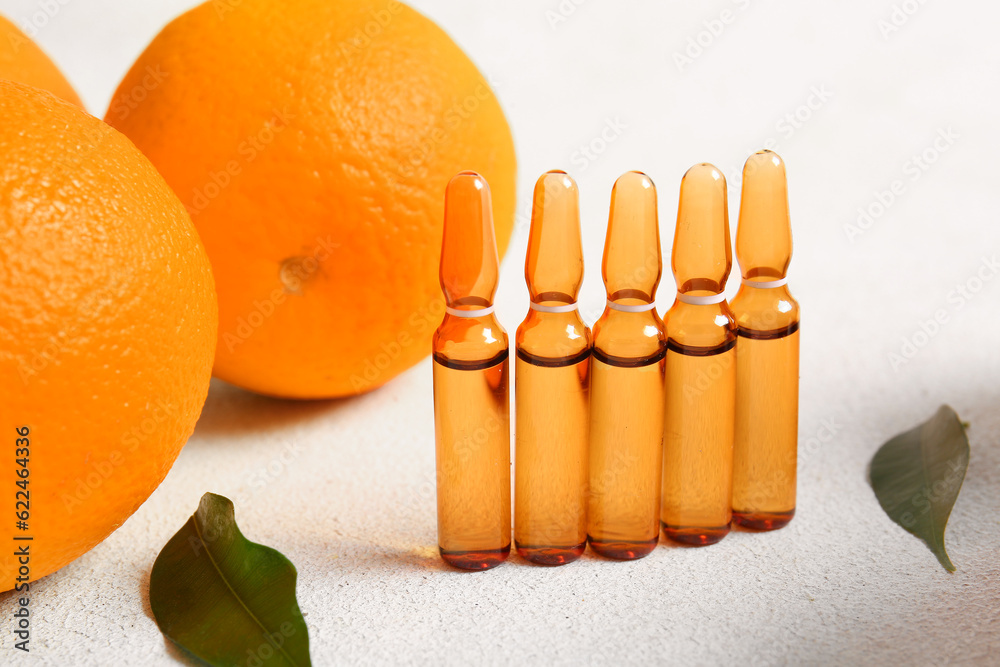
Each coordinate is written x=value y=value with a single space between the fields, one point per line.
x=345 y=489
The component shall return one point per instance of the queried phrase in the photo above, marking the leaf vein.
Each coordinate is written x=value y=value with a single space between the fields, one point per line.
x=235 y=594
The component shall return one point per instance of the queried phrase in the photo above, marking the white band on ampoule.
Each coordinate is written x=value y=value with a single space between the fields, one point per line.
x=638 y=308
x=478 y=312
x=767 y=284
x=565 y=308
x=701 y=300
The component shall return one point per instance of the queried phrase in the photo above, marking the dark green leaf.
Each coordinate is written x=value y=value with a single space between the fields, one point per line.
x=225 y=599
x=917 y=476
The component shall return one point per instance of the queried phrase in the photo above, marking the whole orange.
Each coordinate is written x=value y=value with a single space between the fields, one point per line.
x=22 y=61
x=108 y=322
x=311 y=141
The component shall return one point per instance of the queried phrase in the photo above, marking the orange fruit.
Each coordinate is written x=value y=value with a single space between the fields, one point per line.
x=311 y=141
x=107 y=328
x=21 y=60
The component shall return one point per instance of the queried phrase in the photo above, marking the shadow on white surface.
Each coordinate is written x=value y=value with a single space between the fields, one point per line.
x=230 y=410
x=173 y=650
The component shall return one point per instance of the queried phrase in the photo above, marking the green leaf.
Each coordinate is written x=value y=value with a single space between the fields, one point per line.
x=224 y=599
x=917 y=476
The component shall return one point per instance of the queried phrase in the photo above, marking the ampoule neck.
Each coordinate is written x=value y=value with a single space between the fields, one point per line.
x=469 y=306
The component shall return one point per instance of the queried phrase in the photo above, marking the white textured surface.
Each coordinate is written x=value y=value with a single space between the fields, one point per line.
x=352 y=502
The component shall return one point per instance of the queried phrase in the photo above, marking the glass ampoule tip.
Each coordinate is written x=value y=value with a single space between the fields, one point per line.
x=632 y=262
x=764 y=232
x=553 y=267
x=702 y=254
x=469 y=260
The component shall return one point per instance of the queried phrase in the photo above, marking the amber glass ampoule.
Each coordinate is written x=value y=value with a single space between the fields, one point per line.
x=701 y=368
x=767 y=358
x=552 y=384
x=626 y=425
x=471 y=410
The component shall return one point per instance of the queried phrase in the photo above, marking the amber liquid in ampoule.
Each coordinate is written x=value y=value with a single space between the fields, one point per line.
x=767 y=372
x=701 y=368
x=471 y=404
x=552 y=385
x=626 y=426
